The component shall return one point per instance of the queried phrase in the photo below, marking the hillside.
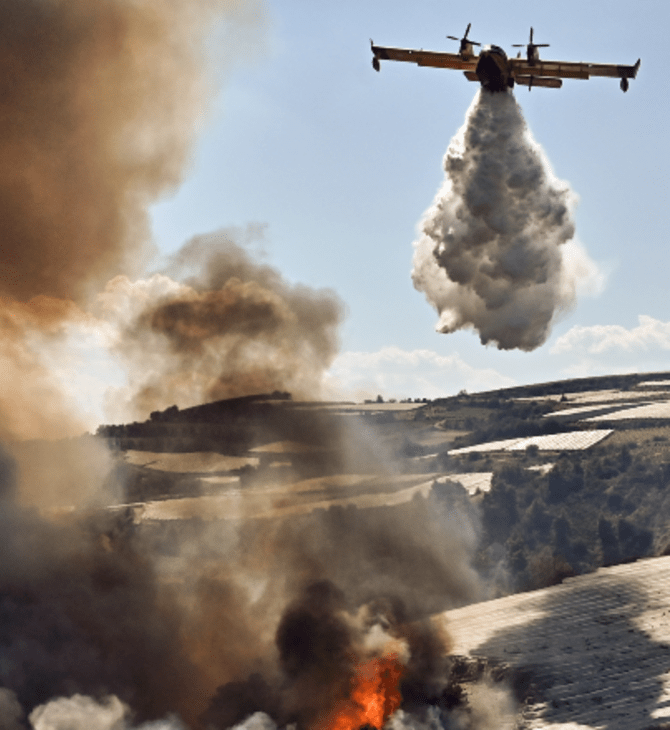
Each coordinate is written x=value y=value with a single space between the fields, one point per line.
x=566 y=476
x=514 y=521
x=592 y=651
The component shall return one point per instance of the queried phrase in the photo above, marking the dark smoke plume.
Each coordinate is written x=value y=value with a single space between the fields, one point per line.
x=332 y=588
x=81 y=612
x=419 y=552
x=320 y=639
x=496 y=251
x=99 y=632
x=234 y=327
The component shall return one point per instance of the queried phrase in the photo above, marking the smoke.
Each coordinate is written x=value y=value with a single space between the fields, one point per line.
x=31 y=400
x=81 y=612
x=105 y=623
x=337 y=664
x=220 y=325
x=112 y=625
x=11 y=711
x=85 y=713
x=322 y=643
x=419 y=552
x=496 y=251
x=295 y=604
x=100 y=102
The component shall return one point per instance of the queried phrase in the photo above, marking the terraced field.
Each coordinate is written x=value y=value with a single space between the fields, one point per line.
x=573 y=441
x=596 y=649
x=195 y=462
x=657 y=410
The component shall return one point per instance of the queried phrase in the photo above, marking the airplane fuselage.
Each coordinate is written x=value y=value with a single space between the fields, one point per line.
x=493 y=70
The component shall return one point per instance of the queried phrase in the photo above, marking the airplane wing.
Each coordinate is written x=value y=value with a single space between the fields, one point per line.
x=423 y=58
x=569 y=70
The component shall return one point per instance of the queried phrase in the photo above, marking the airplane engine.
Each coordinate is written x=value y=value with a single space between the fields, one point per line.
x=624 y=84
x=375 y=63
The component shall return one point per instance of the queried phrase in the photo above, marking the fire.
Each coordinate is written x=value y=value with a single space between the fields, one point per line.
x=374 y=696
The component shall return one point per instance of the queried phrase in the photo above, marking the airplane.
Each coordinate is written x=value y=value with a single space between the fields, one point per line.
x=496 y=72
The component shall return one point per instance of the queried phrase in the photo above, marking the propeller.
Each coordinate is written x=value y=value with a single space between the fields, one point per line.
x=530 y=43
x=464 y=40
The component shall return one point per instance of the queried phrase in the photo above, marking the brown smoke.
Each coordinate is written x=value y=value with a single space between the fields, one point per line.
x=327 y=589
x=235 y=327
x=323 y=642
x=100 y=101
x=241 y=627
x=418 y=552
x=30 y=398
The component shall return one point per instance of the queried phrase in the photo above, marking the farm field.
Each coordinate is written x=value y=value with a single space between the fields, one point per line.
x=599 y=396
x=657 y=410
x=296 y=499
x=188 y=463
x=572 y=441
x=556 y=497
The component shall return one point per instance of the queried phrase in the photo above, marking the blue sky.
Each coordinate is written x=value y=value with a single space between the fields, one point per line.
x=338 y=164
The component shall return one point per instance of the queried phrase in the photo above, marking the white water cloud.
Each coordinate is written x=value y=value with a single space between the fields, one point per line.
x=396 y=373
x=496 y=250
x=650 y=334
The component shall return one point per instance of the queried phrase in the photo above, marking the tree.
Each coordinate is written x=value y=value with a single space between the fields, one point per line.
x=566 y=478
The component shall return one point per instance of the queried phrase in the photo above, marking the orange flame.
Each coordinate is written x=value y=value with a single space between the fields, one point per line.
x=374 y=697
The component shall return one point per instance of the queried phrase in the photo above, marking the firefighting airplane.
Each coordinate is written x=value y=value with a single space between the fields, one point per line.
x=496 y=72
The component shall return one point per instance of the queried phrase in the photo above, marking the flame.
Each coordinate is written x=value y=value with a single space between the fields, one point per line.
x=374 y=697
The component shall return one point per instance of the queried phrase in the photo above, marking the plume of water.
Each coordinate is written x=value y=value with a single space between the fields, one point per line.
x=496 y=250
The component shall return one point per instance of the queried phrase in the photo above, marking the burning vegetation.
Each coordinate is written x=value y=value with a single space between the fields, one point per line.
x=107 y=619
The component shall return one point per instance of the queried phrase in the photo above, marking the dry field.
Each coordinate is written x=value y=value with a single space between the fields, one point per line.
x=593 y=408
x=472 y=482
x=278 y=501
x=599 y=396
x=573 y=441
x=195 y=462
x=660 y=409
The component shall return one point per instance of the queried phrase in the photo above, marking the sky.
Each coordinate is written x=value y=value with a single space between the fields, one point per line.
x=333 y=165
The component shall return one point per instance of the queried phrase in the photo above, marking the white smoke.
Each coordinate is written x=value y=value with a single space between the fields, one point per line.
x=257 y=721
x=496 y=250
x=489 y=706
x=430 y=720
x=80 y=712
